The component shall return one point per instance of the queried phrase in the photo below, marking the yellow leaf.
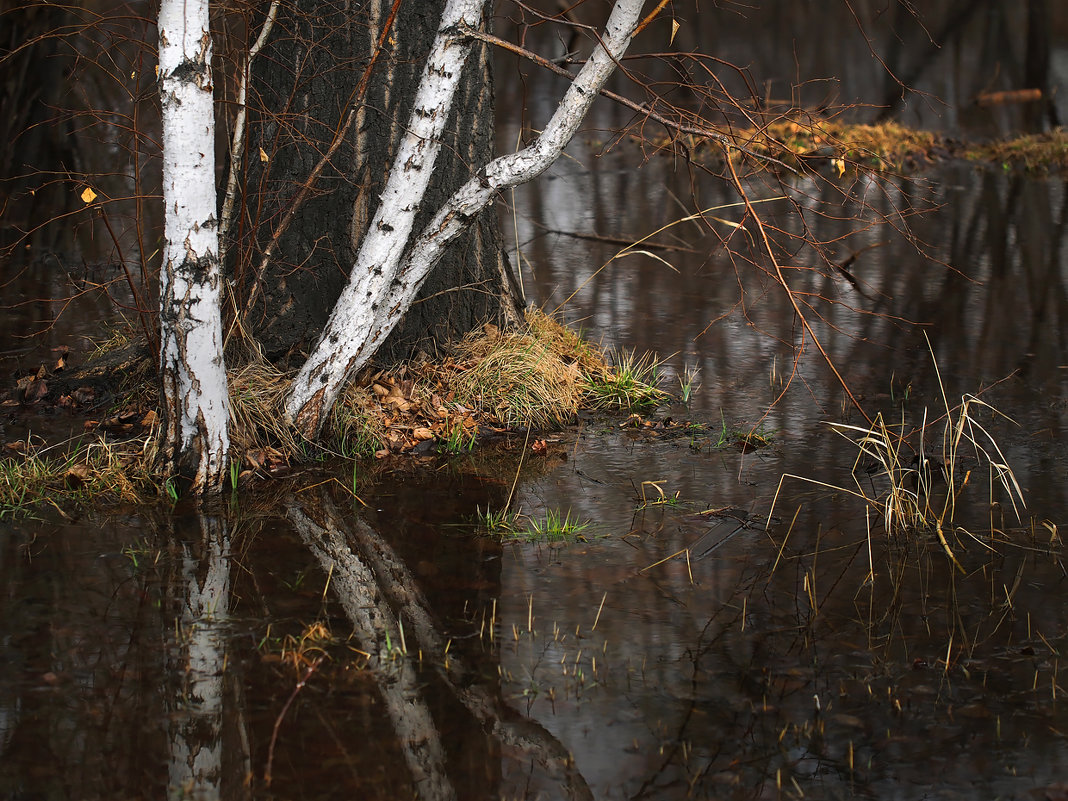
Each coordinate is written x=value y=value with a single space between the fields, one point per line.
x=674 y=30
x=839 y=164
x=88 y=195
x=263 y=156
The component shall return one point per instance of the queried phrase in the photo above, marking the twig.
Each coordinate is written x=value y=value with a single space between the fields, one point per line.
x=616 y=240
x=278 y=721
x=309 y=184
x=641 y=108
x=237 y=142
x=781 y=279
x=142 y=310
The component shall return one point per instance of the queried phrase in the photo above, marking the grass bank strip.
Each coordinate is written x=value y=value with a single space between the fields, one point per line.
x=537 y=377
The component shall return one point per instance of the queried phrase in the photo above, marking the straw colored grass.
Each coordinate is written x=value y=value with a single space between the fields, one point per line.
x=87 y=470
x=519 y=378
x=799 y=136
x=916 y=480
x=542 y=376
x=257 y=407
x=537 y=377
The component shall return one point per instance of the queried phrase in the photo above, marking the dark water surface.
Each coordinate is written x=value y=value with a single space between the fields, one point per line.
x=683 y=649
x=146 y=654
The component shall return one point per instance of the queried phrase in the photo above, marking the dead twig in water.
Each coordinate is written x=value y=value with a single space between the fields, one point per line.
x=281 y=715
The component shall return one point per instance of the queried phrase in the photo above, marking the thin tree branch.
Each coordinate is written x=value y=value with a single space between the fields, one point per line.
x=727 y=142
x=309 y=184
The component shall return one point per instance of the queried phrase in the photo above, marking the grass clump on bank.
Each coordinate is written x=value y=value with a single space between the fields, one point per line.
x=87 y=470
x=541 y=377
x=800 y=138
x=537 y=377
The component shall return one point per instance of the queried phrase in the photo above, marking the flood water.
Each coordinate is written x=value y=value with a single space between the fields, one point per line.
x=692 y=642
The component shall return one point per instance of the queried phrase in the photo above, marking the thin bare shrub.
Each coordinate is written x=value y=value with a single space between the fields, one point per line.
x=914 y=479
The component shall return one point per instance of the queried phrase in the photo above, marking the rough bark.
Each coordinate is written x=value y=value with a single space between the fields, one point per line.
x=304 y=85
x=194 y=391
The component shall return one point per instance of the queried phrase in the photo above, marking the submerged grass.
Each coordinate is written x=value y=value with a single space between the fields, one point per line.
x=550 y=527
x=554 y=528
x=632 y=382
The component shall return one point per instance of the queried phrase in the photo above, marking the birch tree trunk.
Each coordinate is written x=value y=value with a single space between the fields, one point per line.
x=330 y=96
x=194 y=392
x=388 y=270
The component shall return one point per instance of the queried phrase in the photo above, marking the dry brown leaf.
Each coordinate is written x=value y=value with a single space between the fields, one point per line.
x=36 y=390
x=80 y=471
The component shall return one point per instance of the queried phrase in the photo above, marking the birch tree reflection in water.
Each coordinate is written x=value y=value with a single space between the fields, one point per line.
x=379 y=593
x=198 y=664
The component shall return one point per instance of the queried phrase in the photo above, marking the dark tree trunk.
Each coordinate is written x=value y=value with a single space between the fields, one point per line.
x=34 y=82
x=303 y=85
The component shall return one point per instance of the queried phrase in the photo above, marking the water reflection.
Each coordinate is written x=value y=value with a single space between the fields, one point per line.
x=198 y=660
x=673 y=653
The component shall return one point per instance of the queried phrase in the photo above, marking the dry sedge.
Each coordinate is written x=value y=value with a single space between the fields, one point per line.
x=257 y=411
x=923 y=494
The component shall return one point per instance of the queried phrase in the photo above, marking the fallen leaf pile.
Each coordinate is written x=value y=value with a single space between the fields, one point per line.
x=413 y=415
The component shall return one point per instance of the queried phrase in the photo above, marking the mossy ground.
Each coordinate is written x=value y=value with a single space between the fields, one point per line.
x=804 y=140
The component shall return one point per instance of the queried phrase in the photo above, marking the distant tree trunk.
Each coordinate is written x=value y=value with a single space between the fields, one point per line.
x=194 y=397
x=1037 y=65
x=304 y=85
x=32 y=80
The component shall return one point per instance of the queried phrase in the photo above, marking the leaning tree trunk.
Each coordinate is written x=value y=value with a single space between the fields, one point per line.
x=323 y=85
x=395 y=258
x=195 y=400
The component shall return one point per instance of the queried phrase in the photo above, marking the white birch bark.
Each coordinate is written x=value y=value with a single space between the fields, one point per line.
x=390 y=584
x=195 y=400
x=348 y=341
x=356 y=587
x=380 y=287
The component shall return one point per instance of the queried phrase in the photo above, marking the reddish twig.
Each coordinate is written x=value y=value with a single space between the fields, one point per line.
x=281 y=715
